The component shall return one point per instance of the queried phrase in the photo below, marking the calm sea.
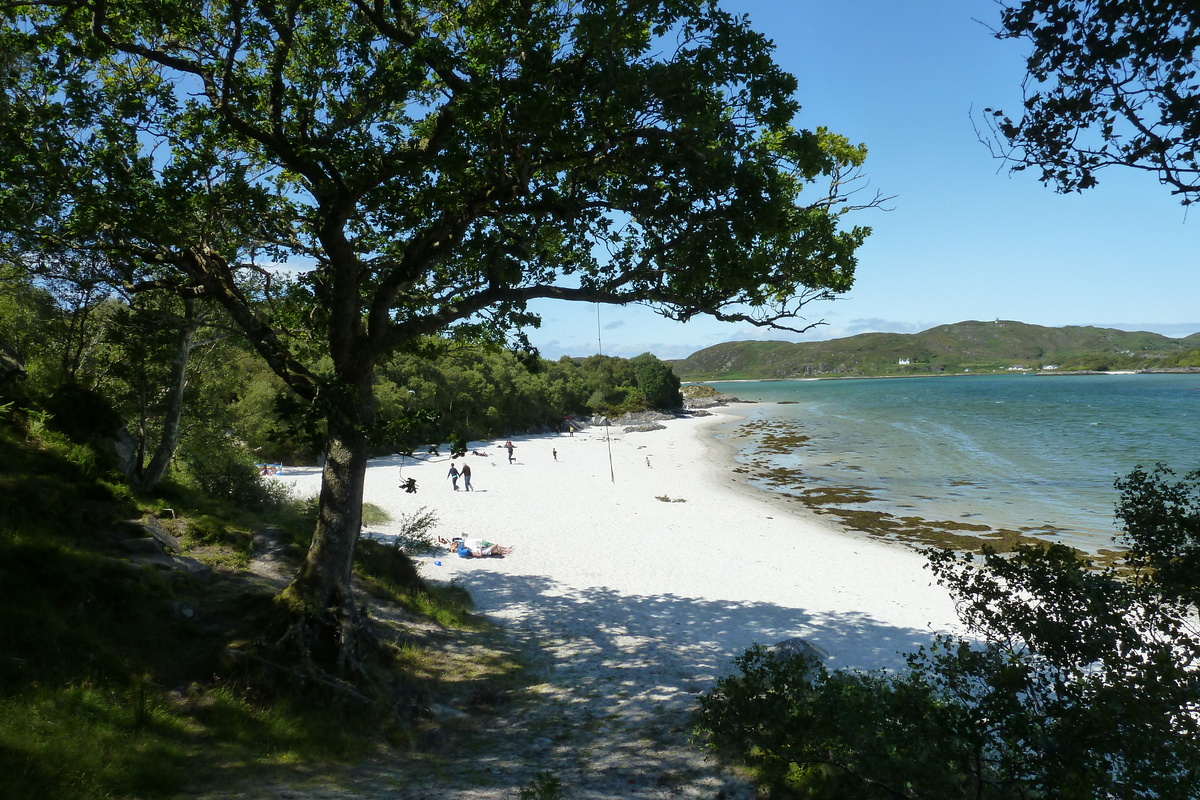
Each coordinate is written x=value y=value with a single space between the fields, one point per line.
x=1018 y=451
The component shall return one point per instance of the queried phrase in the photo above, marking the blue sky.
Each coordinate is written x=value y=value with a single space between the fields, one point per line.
x=964 y=239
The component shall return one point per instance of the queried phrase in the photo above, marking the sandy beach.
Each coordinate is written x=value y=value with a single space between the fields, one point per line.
x=664 y=548
x=643 y=564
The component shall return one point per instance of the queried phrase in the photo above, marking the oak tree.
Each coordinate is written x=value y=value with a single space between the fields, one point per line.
x=434 y=165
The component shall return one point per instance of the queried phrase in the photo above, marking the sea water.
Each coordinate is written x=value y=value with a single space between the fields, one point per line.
x=1038 y=453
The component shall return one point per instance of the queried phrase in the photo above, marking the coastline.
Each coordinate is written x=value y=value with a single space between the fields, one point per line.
x=1001 y=461
x=1039 y=372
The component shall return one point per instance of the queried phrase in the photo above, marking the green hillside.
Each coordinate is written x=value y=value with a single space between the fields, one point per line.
x=975 y=346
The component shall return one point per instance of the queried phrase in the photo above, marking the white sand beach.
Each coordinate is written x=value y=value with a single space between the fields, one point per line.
x=652 y=570
x=643 y=566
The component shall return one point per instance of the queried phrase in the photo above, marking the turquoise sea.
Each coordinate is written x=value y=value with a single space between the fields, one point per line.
x=1024 y=451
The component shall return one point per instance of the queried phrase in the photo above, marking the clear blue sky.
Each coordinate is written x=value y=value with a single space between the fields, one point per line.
x=965 y=239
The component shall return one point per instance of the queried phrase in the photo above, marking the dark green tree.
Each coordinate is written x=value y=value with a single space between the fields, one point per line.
x=1074 y=682
x=656 y=381
x=1110 y=83
x=1161 y=519
x=437 y=164
x=26 y=313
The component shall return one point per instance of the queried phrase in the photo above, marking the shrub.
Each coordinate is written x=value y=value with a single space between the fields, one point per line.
x=220 y=468
x=1076 y=682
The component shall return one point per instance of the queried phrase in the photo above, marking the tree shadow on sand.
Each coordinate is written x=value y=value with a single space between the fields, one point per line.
x=609 y=709
x=616 y=649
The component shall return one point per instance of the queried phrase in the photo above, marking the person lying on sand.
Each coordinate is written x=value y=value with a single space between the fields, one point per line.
x=475 y=548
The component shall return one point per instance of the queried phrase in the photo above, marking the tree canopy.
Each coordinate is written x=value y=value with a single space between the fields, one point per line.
x=1110 y=83
x=433 y=166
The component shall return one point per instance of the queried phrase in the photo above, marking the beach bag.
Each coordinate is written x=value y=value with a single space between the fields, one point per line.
x=463 y=552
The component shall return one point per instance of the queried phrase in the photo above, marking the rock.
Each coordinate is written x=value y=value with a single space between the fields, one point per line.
x=180 y=565
x=443 y=714
x=182 y=610
x=652 y=426
x=126 y=450
x=143 y=544
x=11 y=368
x=154 y=529
x=710 y=402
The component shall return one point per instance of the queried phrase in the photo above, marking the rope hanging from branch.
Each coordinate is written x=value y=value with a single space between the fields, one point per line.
x=600 y=351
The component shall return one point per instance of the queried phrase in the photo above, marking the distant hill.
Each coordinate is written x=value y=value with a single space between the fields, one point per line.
x=975 y=346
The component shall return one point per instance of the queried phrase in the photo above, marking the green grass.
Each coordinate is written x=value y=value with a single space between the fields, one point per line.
x=95 y=740
x=106 y=689
x=374 y=515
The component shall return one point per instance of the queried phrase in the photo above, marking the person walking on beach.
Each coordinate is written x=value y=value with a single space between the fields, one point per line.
x=466 y=476
x=509 y=446
x=554 y=452
x=453 y=476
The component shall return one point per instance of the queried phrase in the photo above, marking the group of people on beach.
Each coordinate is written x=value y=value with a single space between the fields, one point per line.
x=478 y=548
x=465 y=473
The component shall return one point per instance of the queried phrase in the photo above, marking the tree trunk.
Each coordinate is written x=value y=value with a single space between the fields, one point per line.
x=325 y=634
x=173 y=413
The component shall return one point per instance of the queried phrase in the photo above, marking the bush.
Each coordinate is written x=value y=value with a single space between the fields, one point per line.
x=221 y=469
x=815 y=733
x=1076 y=682
x=416 y=533
x=389 y=561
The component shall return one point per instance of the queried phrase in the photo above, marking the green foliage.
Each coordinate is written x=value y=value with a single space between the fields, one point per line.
x=85 y=416
x=544 y=786
x=416 y=532
x=386 y=569
x=138 y=740
x=263 y=412
x=374 y=515
x=389 y=560
x=107 y=691
x=441 y=164
x=656 y=382
x=839 y=734
x=93 y=654
x=570 y=153
x=459 y=393
x=220 y=468
x=1189 y=359
x=1076 y=682
x=36 y=420
x=1111 y=84
x=234 y=544
x=1161 y=520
